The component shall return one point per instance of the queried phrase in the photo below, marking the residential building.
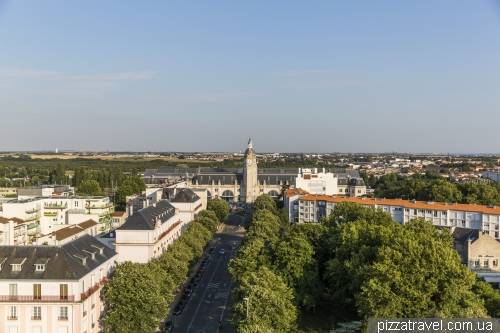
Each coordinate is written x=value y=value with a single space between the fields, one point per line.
x=54 y=288
x=188 y=204
x=14 y=231
x=291 y=202
x=70 y=233
x=5 y=191
x=53 y=213
x=313 y=208
x=118 y=218
x=495 y=176
x=147 y=233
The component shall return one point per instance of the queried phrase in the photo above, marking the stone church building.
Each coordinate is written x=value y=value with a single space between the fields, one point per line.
x=245 y=184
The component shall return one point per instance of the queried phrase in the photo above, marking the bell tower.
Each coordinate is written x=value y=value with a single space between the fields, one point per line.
x=250 y=187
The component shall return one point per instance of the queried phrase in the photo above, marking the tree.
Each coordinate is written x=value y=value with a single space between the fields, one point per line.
x=181 y=251
x=490 y=297
x=208 y=219
x=250 y=257
x=350 y=327
x=136 y=302
x=270 y=304
x=122 y=193
x=89 y=187
x=172 y=266
x=265 y=201
x=220 y=208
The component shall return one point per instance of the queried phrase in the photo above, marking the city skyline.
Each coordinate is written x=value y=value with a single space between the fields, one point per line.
x=303 y=77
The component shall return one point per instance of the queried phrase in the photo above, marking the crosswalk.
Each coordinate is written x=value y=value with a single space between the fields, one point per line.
x=213 y=285
x=222 y=294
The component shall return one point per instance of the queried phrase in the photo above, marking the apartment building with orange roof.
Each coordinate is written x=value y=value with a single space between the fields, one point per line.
x=312 y=208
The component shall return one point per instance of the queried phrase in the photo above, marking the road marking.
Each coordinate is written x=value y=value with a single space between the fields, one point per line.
x=222 y=294
x=214 y=285
x=202 y=298
x=222 y=314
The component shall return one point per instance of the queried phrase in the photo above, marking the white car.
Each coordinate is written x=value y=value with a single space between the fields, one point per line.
x=222 y=251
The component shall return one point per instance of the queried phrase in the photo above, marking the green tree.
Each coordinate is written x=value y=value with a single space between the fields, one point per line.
x=220 y=208
x=172 y=266
x=418 y=275
x=136 y=302
x=250 y=257
x=443 y=191
x=265 y=201
x=490 y=297
x=89 y=187
x=270 y=305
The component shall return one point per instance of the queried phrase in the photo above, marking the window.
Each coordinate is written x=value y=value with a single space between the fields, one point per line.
x=486 y=262
x=63 y=291
x=476 y=263
x=12 y=313
x=83 y=308
x=495 y=262
x=340 y=190
x=496 y=234
x=40 y=268
x=435 y=213
x=429 y=212
x=463 y=223
x=414 y=212
x=37 y=313
x=407 y=210
x=12 y=290
x=359 y=191
x=63 y=313
x=37 y=291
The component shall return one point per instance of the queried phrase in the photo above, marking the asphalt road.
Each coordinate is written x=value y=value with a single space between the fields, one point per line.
x=211 y=298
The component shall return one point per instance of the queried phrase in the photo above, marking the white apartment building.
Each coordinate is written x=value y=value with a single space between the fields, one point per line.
x=4 y=191
x=313 y=208
x=147 y=233
x=495 y=176
x=317 y=183
x=54 y=289
x=188 y=203
x=47 y=215
x=14 y=231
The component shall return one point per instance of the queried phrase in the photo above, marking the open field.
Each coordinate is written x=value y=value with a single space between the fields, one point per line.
x=118 y=158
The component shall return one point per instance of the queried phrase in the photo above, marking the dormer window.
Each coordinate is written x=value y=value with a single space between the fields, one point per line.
x=2 y=261
x=40 y=264
x=91 y=254
x=81 y=259
x=17 y=264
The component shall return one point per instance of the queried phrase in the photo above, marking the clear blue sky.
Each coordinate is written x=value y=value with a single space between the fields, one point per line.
x=312 y=76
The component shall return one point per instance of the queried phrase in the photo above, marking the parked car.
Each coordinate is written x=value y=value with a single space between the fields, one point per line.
x=222 y=251
x=194 y=280
x=178 y=310
x=167 y=327
x=212 y=250
x=188 y=293
x=198 y=276
x=190 y=286
x=207 y=257
x=200 y=272
x=185 y=297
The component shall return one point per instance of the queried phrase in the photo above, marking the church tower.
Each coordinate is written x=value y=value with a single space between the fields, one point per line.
x=250 y=186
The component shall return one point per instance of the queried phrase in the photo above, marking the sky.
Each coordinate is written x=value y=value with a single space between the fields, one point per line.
x=295 y=76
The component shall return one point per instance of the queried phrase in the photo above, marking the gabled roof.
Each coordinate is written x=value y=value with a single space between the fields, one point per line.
x=295 y=191
x=60 y=261
x=186 y=195
x=462 y=235
x=145 y=218
x=15 y=219
x=74 y=229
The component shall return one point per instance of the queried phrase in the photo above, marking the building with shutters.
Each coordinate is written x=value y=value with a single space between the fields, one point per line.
x=45 y=289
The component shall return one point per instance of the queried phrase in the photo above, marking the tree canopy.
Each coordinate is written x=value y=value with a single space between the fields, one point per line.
x=89 y=187
x=219 y=207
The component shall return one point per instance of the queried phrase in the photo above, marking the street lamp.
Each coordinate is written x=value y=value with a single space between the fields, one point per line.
x=246 y=300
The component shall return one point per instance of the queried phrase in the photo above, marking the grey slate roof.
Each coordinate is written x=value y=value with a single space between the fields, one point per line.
x=186 y=195
x=145 y=218
x=224 y=178
x=61 y=263
x=462 y=235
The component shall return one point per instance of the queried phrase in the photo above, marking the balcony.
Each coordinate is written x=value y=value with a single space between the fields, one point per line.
x=36 y=299
x=37 y=217
x=109 y=205
x=106 y=213
x=93 y=289
x=36 y=317
x=106 y=220
x=33 y=210
x=55 y=206
x=50 y=214
x=31 y=226
x=62 y=318
x=12 y=318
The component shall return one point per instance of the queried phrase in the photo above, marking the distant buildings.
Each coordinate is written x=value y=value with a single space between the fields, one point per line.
x=247 y=183
x=45 y=191
x=495 y=176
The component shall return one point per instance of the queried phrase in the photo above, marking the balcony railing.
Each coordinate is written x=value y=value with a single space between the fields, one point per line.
x=93 y=289
x=33 y=210
x=32 y=218
x=84 y=313
x=11 y=318
x=50 y=214
x=98 y=206
x=31 y=298
x=36 y=317
x=31 y=226
x=62 y=318
x=55 y=206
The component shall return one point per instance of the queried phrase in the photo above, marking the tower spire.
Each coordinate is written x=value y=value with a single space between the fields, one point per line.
x=249 y=143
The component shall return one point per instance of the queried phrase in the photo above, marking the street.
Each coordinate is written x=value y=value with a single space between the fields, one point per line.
x=211 y=298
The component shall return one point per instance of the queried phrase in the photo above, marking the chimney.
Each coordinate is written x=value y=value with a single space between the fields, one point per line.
x=144 y=203
x=130 y=208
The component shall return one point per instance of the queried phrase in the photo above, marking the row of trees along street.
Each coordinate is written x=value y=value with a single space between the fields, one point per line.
x=140 y=295
x=358 y=262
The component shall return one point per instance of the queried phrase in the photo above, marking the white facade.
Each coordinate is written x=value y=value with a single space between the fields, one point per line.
x=54 y=305
x=317 y=183
x=46 y=215
x=486 y=218
x=495 y=176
